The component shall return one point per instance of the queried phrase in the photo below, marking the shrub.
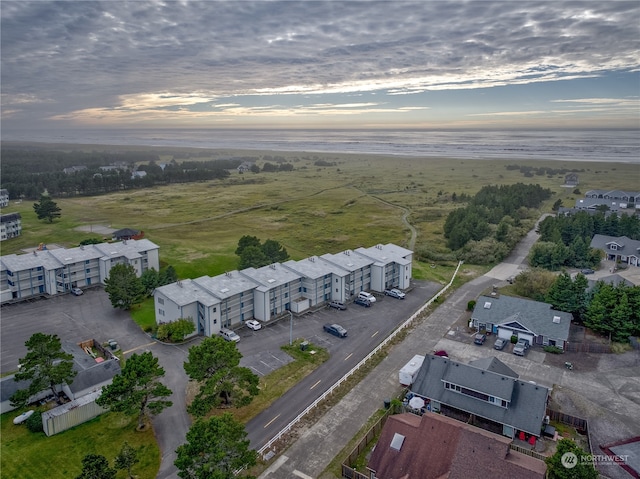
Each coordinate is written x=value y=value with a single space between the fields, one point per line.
x=34 y=422
x=471 y=304
x=553 y=349
x=514 y=339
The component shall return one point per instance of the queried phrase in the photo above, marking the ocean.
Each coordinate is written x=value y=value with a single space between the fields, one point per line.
x=564 y=145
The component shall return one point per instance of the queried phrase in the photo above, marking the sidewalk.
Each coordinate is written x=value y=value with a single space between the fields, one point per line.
x=318 y=445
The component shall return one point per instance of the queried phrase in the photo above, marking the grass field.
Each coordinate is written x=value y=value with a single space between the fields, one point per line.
x=312 y=210
x=28 y=455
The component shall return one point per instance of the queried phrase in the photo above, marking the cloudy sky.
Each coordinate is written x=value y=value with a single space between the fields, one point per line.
x=325 y=64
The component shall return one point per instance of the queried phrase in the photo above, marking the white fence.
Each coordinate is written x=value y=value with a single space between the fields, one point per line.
x=330 y=391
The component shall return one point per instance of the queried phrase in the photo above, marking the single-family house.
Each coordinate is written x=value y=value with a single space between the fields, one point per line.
x=534 y=321
x=571 y=179
x=391 y=267
x=486 y=389
x=278 y=287
x=433 y=446
x=126 y=234
x=245 y=166
x=73 y=169
x=620 y=249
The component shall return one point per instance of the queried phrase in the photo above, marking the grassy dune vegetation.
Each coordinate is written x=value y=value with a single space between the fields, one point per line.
x=359 y=200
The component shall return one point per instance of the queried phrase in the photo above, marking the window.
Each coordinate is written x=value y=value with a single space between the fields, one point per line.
x=161 y=312
x=215 y=309
x=88 y=271
x=160 y=300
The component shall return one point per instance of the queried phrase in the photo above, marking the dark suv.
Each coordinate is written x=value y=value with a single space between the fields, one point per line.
x=338 y=305
x=363 y=302
x=336 y=330
x=479 y=339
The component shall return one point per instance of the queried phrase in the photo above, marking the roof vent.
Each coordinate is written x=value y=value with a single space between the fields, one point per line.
x=271 y=280
x=556 y=319
x=487 y=305
x=224 y=290
x=396 y=442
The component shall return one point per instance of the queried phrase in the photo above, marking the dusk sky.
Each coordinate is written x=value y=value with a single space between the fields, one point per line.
x=326 y=64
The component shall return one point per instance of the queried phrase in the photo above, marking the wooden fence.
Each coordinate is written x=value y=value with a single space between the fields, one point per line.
x=347 y=471
x=527 y=451
x=579 y=423
x=588 y=348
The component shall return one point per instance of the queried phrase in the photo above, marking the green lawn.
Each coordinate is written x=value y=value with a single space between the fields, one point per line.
x=28 y=455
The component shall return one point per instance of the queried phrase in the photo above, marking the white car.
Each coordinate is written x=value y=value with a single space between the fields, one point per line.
x=394 y=293
x=368 y=296
x=253 y=324
x=229 y=335
x=76 y=291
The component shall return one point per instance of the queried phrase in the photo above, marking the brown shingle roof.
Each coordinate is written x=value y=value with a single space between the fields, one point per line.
x=437 y=447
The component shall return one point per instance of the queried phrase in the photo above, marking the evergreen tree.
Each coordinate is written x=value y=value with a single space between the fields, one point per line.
x=579 y=470
x=252 y=257
x=123 y=286
x=137 y=389
x=96 y=466
x=47 y=209
x=46 y=366
x=126 y=459
x=215 y=449
x=215 y=364
x=274 y=252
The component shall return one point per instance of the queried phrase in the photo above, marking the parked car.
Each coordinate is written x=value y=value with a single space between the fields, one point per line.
x=442 y=353
x=368 y=296
x=338 y=305
x=521 y=347
x=253 y=324
x=500 y=344
x=229 y=335
x=76 y=291
x=336 y=330
x=587 y=271
x=394 y=293
x=363 y=302
x=479 y=339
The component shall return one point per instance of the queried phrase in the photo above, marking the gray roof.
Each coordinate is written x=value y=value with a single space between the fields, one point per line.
x=528 y=401
x=130 y=249
x=625 y=245
x=494 y=365
x=533 y=316
x=384 y=255
x=271 y=276
x=348 y=260
x=313 y=267
x=26 y=261
x=95 y=375
x=226 y=285
x=76 y=255
x=185 y=292
x=613 y=279
x=593 y=203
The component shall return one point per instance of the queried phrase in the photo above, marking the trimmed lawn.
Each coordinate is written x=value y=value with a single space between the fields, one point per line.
x=28 y=455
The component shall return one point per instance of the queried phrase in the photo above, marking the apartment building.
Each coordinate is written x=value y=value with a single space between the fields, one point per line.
x=391 y=266
x=53 y=271
x=10 y=226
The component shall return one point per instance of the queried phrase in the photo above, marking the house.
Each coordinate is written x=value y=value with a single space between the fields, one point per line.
x=534 y=321
x=626 y=199
x=10 y=226
x=93 y=372
x=127 y=234
x=433 y=446
x=73 y=169
x=620 y=249
x=486 y=389
x=571 y=179
x=391 y=267
x=245 y=166
x=49 y=272
x=4 y=198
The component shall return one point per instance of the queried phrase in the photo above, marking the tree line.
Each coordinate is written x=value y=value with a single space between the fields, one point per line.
x=489 y=226
x=29 y=173
x=565 y=239
x=606 y=308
